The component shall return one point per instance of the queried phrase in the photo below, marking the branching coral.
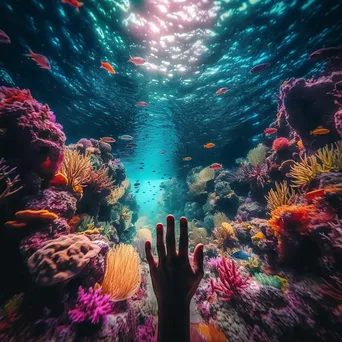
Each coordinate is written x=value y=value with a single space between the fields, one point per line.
x=257 y=155
x=231 y=281
x=199 y=235
x=91 y=307
x=76 y=167
x=282 y=195
x=10 y=187
x=325 y=160
x=99 y=181
x=126 y=216
x=122 y=278
x=255 y=175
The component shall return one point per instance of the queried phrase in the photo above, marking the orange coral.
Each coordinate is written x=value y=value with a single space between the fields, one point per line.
x=211 y=333
x=15 y=224
x=258 y=236
x=29 y=215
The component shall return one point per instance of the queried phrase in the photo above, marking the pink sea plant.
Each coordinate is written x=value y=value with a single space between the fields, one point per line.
x=255 y=175
x=91 y=307
x=231 y=281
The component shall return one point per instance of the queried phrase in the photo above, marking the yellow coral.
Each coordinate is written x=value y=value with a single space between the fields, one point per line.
x=282 y=195
x=220 y=217
x=206 y=175
x=76 y=168
x=304 y=171
x=93 y=231
x=258 y=236
x=330 y=158
x=144 y=233
x=117 y=192
x=122 y=277
x=223 y=234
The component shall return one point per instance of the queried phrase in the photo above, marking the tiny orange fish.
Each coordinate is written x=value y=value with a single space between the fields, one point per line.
x=108 y=67
x=320 y=131
x=41 y=60
x=300 y=144
x=73 y=3
x=187 y=158
x=209 y=145
x=314 y=194
x=270 y=130
x=108 y=140
x=59 y=180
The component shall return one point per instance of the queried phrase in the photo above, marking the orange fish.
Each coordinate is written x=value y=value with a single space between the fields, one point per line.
x=59 y=180
x=300 y=144
x=187 y=158
x=41 y=60
x=320 y=131
x=314 y=194
x=108 y=67
x=73 y=3
x=108 y=140
x=209 y=145
x=215 y=166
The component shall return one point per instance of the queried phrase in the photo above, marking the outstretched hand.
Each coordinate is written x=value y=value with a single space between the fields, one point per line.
x=174 y=280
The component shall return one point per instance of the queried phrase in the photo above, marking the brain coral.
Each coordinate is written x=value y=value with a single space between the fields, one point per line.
x=30 y=132
x=61 y=259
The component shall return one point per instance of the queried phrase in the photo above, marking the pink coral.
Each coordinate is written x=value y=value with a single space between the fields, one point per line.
x=231 y=281
x=31 y=133
x=146 y=332
x=91 y=307
x=280 y=144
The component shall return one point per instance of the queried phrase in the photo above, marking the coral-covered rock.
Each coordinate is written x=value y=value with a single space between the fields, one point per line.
x=60 y=202
x=61 y=259
x=193 y=210
x=117 y=171
x=308 y=104
x=30 y=135
x=251 y=209
x=35 y=240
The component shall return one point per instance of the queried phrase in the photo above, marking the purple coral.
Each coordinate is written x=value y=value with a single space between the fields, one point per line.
x=256 y=176
x=30 y=133
x=231 y=281
x=91 y=307
x=146 y=332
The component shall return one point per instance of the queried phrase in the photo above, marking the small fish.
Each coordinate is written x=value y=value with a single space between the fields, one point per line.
x=300 y=144
x=142 y=163
x=320 y=131
x=46 y=166
x=242 y=255
x=326 y=53
x=41 y=60
x=215 y=166
x=126 y=137
x=284 y=83
x=142 y=104
x=162 y=152
x=209 y=145
x=73 y=3
x=187 y=158
x=4 y=39
x=136 y=60
x=314 y=194
x=221 y=91
x=108 y=140
x=136 y=184
x=260 y=67
x=108 y=67
x=270 y=130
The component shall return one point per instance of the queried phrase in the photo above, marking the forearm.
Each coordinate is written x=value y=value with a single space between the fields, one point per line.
x=174 y=322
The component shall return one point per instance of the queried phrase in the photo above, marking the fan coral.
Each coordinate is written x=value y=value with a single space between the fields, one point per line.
x=76 y=168
x=10 y=187
x=61 y=259
x=231 y=282
x=282 y=195
x=91 y=307
x=280 y=144
x=257 y=155
x=32 y=134
x=99 y=181
x=122 y=278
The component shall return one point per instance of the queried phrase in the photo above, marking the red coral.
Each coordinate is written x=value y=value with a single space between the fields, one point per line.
x=231 y=281
x=280 y=144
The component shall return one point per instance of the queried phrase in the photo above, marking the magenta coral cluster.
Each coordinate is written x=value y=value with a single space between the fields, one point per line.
x=231 y=281
x=91 y=307
x=38 y=138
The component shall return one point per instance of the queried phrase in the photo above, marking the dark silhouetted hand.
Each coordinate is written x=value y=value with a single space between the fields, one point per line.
x=174 y=280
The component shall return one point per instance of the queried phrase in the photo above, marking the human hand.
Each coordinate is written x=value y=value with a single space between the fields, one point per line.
x=174 y=280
